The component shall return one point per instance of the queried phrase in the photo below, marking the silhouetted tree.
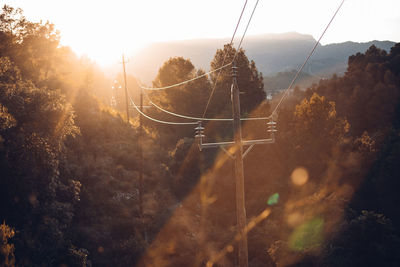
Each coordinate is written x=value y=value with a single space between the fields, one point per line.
x=249 y=80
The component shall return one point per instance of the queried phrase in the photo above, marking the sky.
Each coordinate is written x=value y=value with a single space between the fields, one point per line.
x=103 y=30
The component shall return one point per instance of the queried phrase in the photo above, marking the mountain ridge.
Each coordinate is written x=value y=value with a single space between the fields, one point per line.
x=272 y=53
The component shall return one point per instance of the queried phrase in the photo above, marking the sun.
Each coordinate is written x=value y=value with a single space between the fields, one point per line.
x=102 y=40
x=103 y=49
x=101 y=30
x=104 y=30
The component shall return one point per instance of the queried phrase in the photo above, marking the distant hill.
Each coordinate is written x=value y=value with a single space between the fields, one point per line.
x=275 y=83
x=272 y=53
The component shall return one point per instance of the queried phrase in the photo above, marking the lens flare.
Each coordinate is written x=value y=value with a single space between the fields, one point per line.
x=273 y=199
x=299 y=176
x=294 y=218
x=308 y=235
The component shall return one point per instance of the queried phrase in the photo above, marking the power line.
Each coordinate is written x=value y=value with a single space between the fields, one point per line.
x=237 y=24
x=205 y=74
x=198 y=118
x=223 y=61
x=159 y=121
x=305 y=62
x=220 y=68
x=245 y=31
x=214 y=87
x=184 y=82
x=183 y=116
x=237 y=51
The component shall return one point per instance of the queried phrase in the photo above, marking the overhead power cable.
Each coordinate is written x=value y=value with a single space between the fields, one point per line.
x=218 y=69
x=305 y=62
x=198 y=118
x=223 y=61
x=237 y=24
x=159 y=121
x=245 y=31
x=180 y=115
x=212 y=92
x=226 y=119
x=184 y=82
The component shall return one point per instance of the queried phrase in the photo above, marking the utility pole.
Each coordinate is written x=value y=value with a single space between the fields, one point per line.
x=140 y=148
x=238 y=157
x=140 y=143
x=239 y=173
x=126 y=89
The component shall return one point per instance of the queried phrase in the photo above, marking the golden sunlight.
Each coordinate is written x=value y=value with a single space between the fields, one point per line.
x=110 y=164
x=104 y=30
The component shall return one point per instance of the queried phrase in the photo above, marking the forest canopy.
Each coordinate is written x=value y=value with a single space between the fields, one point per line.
x=80 y=186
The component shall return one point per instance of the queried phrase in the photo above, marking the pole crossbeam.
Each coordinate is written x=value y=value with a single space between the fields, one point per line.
x=244 y=143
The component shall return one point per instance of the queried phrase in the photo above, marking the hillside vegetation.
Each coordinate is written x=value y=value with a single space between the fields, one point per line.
x=324 y=194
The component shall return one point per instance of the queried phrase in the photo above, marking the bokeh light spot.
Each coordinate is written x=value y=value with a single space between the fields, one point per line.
x=307 y=236
x=273 y=199
x=33 y=199
x=299 y=176
x=294 y=219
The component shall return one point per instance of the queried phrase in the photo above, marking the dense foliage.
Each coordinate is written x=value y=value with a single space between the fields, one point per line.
x=69 y=172
x=324 y=194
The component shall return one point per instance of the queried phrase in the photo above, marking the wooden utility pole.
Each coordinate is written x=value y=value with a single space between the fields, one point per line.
x=238 y=157
x=239 y=173
x=126 y=89
x=140 y=143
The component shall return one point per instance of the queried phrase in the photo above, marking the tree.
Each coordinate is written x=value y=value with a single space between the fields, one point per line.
x=317 y=124
x=249 y=80
x=64 y=188
x=35 y=199
x=367 y=240
x=32 y=46
x=7 y=258
x=188 y=99
x=317 y=130
x=368 y=93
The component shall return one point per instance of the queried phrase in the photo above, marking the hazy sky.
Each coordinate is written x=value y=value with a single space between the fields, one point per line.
x=105 y=29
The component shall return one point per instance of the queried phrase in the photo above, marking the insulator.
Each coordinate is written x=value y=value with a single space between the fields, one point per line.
x=199 y=134
x=234 y=70
x=113 y=102
x=271 y=127
x=199 y=128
